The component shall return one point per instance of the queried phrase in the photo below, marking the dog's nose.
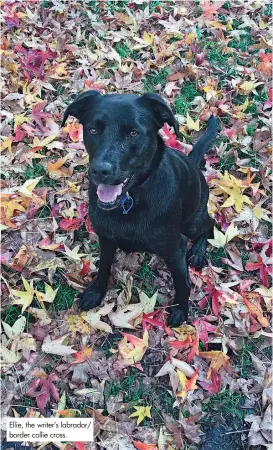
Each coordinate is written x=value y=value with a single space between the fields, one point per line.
x=102 y=169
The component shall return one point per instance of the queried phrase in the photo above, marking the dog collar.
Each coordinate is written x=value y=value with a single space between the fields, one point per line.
x=127 y=203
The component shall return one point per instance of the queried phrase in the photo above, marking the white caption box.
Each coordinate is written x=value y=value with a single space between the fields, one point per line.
x=49 y=430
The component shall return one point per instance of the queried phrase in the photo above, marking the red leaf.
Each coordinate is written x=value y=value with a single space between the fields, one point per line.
x=70 y=224
x=143 y=446
x=82 y=210
x=42 y=389
x=88 y=225
x=85 y=270
x=79 y=445
x=259 y=265
x=214 y=386
x=203 y=328
x=38 y=115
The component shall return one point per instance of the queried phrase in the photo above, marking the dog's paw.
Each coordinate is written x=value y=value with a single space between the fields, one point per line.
x=176 y=317
x=196 y=257
x=90 y=298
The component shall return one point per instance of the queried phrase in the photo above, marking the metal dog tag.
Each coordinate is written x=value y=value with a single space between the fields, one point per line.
x=127 y=203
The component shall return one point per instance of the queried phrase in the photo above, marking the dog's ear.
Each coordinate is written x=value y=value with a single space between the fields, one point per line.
x=78 y=107
x=162 y=111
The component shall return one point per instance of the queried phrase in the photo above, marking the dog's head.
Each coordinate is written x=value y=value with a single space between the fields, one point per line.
x=120 y=134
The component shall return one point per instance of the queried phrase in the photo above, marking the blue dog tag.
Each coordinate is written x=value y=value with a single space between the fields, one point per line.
x=126 y=203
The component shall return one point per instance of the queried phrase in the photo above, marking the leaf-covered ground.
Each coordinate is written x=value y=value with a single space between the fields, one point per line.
x=204 y=385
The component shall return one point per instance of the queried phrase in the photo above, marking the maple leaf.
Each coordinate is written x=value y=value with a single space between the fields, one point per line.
x=143 y=446
x=132 y=348
x=74 y=130
x=82 y=355
x=147 y=303
x=73 y=254
x=214 y=386
x=253 y=303
x=246 y=87
x=218 y=360
x=209 y=9
x=204 y=328
x=42 y=389
x=191 y=124
x=57 y=170
x=123 y=317
x=186 y=385
x=141 y=412
x=76 y=323
x=70 y=224
x=234 y=187
x=24 y=297
x=263 y=269
x=48 y=296
x=93 y=318
x=56 y=346
x=221 y=239
x=8 y=356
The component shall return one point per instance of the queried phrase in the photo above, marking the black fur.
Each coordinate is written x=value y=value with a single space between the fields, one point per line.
x=169 y=191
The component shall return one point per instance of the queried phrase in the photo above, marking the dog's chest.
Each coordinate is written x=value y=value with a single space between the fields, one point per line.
x=136 y=231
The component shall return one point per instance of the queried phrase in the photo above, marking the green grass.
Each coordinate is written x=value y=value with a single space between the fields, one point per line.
x=215 y=255
x=268 y=10
x=137 y=393
x=146 y=278
x=65 y=296
x=123 y=50
x=242 y=43
x=153 y=79
x=188 y=93
x=226 y=404
x=37 y=171
x=243 y=359
x=12 y=313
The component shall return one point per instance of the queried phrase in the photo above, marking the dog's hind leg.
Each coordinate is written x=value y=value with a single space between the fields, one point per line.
x=93 y=295
x=177 y=265
x=200 y=231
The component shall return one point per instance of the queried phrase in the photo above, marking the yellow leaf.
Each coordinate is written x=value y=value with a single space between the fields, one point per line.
x=48 y=296
x=191 y=124
x=248 y=86
x=141 y=412
x=24 y=297
x=229 y=25
x=149 y=38
x=77 y=324
x=19 y=119
x=6 y=144
x=73 y=187
x=221 y=239
x=28 y=186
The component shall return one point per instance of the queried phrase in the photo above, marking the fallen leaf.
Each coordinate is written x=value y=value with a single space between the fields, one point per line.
x=141 y=412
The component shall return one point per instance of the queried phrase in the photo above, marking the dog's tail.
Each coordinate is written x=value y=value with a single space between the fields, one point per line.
x=201 y=147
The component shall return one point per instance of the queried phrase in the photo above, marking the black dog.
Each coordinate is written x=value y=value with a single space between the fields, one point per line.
x=143 y=196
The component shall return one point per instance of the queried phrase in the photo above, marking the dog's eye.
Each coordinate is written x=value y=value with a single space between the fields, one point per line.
x=134 y=133
x=93 y=131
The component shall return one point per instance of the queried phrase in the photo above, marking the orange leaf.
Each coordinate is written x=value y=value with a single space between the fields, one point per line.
x=143 y=446
x=218 y=360
x=84 y=354
x=252 y=301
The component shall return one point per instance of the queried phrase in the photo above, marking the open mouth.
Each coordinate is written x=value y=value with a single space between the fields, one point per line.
x=109 y=195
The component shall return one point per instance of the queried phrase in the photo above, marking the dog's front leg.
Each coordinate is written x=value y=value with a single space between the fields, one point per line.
x=93 y=295
x=177 y=264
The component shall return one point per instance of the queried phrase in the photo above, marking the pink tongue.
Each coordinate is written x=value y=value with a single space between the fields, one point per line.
x=108 y=193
